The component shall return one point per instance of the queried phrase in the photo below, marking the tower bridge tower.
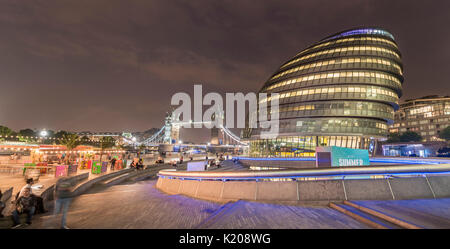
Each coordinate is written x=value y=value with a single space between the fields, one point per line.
x=172 y=131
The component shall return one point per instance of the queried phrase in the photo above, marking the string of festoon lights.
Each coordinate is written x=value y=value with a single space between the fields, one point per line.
x=36 y=150
x=79 y=152
x=45 y=138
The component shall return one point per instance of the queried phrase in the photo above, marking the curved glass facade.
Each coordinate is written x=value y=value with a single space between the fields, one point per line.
x=341 y=91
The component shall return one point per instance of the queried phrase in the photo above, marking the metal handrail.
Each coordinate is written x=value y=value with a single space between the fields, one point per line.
x=372 y=159
x=316 y=172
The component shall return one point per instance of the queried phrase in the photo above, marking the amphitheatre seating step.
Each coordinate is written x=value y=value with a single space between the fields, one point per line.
x=368 y=219
x=117 y=179
x=390 y=219
x=149 y=173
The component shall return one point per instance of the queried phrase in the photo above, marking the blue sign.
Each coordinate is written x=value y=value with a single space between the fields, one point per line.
x=341 y=156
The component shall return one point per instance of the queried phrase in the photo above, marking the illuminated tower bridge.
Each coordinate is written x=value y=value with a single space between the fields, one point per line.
x=169 y=133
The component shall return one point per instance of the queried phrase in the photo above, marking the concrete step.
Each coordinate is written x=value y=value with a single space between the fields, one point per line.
x=117 y=179
x=85 y=185
x=133 y=175
x=386 y=218
x=362 y=217
x=146 y=175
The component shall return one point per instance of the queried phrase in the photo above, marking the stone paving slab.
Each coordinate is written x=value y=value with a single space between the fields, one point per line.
x=253 y=215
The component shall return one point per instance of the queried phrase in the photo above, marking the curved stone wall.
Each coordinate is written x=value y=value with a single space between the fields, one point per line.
x=318 y=190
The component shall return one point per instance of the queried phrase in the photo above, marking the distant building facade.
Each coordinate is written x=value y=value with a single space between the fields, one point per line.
x=96 y=136
x=413 y=149
x=427 y=116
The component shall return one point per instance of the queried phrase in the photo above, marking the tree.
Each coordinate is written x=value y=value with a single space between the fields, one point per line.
x=27 y=135
x=50 y=133
x=105 y=143
x=60 y=135
x=71 y=141
x=393 y=138
x=5 y=131
x=410 y=136
x=85 y=140
x=445 y=134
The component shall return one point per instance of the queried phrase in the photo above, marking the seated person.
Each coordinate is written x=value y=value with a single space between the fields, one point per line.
x=39 y=201
x=140 y=164
x=29 y=183
x=25 y=204
x=133 y=165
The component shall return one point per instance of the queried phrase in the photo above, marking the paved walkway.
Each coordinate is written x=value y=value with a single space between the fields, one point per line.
x=141 y=205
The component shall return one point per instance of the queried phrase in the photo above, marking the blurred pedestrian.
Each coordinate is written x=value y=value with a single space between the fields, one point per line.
x=63 y=198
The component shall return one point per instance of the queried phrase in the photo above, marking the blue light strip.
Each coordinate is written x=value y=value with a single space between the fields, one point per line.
x=380 y=160
x=327 y=177
x=362 y=31
x=373 y=160
x=277 y=158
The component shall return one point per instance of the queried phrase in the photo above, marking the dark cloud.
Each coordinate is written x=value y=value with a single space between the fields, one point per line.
x=113 y=65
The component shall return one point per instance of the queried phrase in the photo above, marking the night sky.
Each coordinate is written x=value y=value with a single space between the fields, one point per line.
x=105 y=65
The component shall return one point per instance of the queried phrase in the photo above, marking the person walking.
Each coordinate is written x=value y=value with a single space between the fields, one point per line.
x=113 y=163
x=25 y=204
x=63 y=198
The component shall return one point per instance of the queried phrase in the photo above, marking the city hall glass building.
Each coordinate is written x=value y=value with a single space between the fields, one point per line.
x=341 y=91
